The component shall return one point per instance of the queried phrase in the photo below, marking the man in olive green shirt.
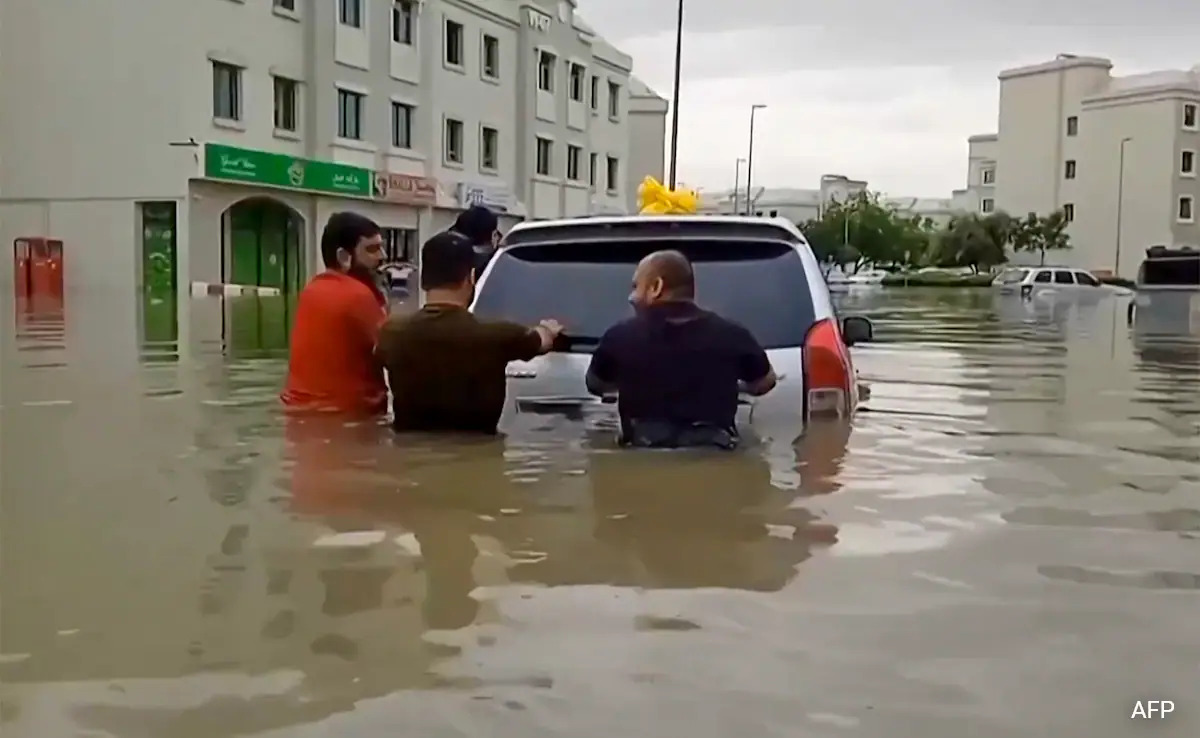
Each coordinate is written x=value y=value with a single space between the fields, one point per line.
x=445 y=367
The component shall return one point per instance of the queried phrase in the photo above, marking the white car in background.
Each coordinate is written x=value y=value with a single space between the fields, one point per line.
x=1047 y=281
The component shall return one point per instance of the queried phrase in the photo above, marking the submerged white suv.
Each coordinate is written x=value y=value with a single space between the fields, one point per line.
x=759 y=272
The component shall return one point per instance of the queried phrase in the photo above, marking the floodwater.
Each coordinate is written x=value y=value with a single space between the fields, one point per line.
x=1005 y=544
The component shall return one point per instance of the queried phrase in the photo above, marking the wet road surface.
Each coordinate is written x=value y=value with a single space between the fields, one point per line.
x=1006 y=543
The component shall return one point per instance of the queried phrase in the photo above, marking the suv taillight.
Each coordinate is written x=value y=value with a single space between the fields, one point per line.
x=827 y=371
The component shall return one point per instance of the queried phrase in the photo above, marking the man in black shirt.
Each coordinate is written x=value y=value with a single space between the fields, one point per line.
x=445 y=367
x=482 y=228
x=675 y=367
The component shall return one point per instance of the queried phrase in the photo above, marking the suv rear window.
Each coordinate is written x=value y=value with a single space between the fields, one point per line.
x=1182 y=271
x=586 y=286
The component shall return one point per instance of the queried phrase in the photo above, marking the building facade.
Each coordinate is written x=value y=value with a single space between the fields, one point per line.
x=214 y=153
x=1118 y=155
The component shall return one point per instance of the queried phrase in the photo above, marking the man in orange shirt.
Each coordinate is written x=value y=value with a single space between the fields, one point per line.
x=332 y=366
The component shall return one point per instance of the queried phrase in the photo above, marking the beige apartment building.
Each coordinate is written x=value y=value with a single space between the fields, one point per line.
x=1117 y=154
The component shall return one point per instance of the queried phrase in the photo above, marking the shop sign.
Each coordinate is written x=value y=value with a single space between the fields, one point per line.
x=492 y=197
x=405 y=189
x=266 y=169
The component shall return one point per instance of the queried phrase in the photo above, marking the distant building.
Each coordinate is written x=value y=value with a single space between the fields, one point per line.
x=647 y=138
x=1117 y=154
x=800 y=205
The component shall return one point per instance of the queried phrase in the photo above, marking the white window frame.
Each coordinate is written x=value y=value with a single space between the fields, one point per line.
x=359 y=98
x=284 y=7
x=1068 y=209
x=1195 y=109
x=404 y=16
x=484 y=165
x=460 y=37
x=543 y=168
x=576 y=81
x=494 y=73
x=286 y=95
x=1071 y=127
x=1188 y=173
x=594 y=94
x=612 y=174
x=352 y=13
x=402 y=109
x=547 y=70
x=1070 y=169
x=987 y=205
x=233 y=97
x=449 y=127
x=987 y=176
x=614 y=100
x=1191 y=201
x=574 y=163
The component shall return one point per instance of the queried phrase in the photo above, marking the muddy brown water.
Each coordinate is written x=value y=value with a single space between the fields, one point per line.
x=1005 y=543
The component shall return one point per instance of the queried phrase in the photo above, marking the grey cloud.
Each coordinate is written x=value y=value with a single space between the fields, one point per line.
x=927 y=18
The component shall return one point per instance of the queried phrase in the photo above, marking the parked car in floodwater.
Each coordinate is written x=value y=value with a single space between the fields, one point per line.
x=757 y=271
x=1047 y=280
x=1168 y=292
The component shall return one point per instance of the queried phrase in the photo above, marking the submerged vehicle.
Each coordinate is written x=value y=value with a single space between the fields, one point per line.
x=1056 y=280
x=1168 y=292
x=757 y=271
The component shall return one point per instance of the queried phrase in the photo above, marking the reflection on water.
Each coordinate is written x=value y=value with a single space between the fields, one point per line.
x=1004 y=543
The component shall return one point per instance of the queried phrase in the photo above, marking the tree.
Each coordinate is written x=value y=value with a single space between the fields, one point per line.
x=864 y=231
x=974 y=242
x=1041 y=234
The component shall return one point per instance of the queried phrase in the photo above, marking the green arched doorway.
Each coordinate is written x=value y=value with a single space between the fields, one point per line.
x=266 y=245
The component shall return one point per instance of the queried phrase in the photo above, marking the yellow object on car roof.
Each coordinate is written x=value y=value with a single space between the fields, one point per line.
x=658 y=199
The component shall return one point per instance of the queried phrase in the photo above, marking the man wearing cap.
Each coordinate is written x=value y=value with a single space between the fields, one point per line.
x=446 y=367
x=481 y=227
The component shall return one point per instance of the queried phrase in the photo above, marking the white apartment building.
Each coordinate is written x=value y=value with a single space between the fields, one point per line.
x=209 y=140
x=1117 y=154
x=800 y=205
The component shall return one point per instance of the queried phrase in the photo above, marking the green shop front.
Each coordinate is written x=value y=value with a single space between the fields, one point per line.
x=262 y=222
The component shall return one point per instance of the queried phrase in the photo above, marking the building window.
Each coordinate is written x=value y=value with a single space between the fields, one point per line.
x=454 y=141
x=987 y=176
x=350 y=114
x=1073 y=126
x=1191 y=118
x=491 y=57
x=574 y=159
x=546 y=62
x=614 y=100
x=1187 y=163
x=402 y=125
x=1068 y=211
x=595 y=93
x=403 y=18
x=489 y=149
x=987 y=205
x=1069 y=169
x=1187 y=212
x=454 y=43
x=593 y=166
x=545 y=149
x=614 y=171
x=578 y=75
x=286 y=99
x=288 y=5
x=227 y=91
x=350 y=13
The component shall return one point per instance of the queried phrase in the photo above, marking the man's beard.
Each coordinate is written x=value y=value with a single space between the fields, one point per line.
x=364 y=274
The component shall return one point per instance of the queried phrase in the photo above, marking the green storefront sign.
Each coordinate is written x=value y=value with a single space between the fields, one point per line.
x=231 y=164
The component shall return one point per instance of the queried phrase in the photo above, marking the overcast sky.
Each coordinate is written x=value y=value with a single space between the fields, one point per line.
x=886 y=91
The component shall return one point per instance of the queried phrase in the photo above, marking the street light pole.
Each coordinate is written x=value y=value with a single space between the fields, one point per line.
x=1120 y=204
x=737 y=184
x=675 y=94
x=750 y=160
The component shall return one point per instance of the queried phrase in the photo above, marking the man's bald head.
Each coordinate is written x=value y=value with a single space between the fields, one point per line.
x=667 y=273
